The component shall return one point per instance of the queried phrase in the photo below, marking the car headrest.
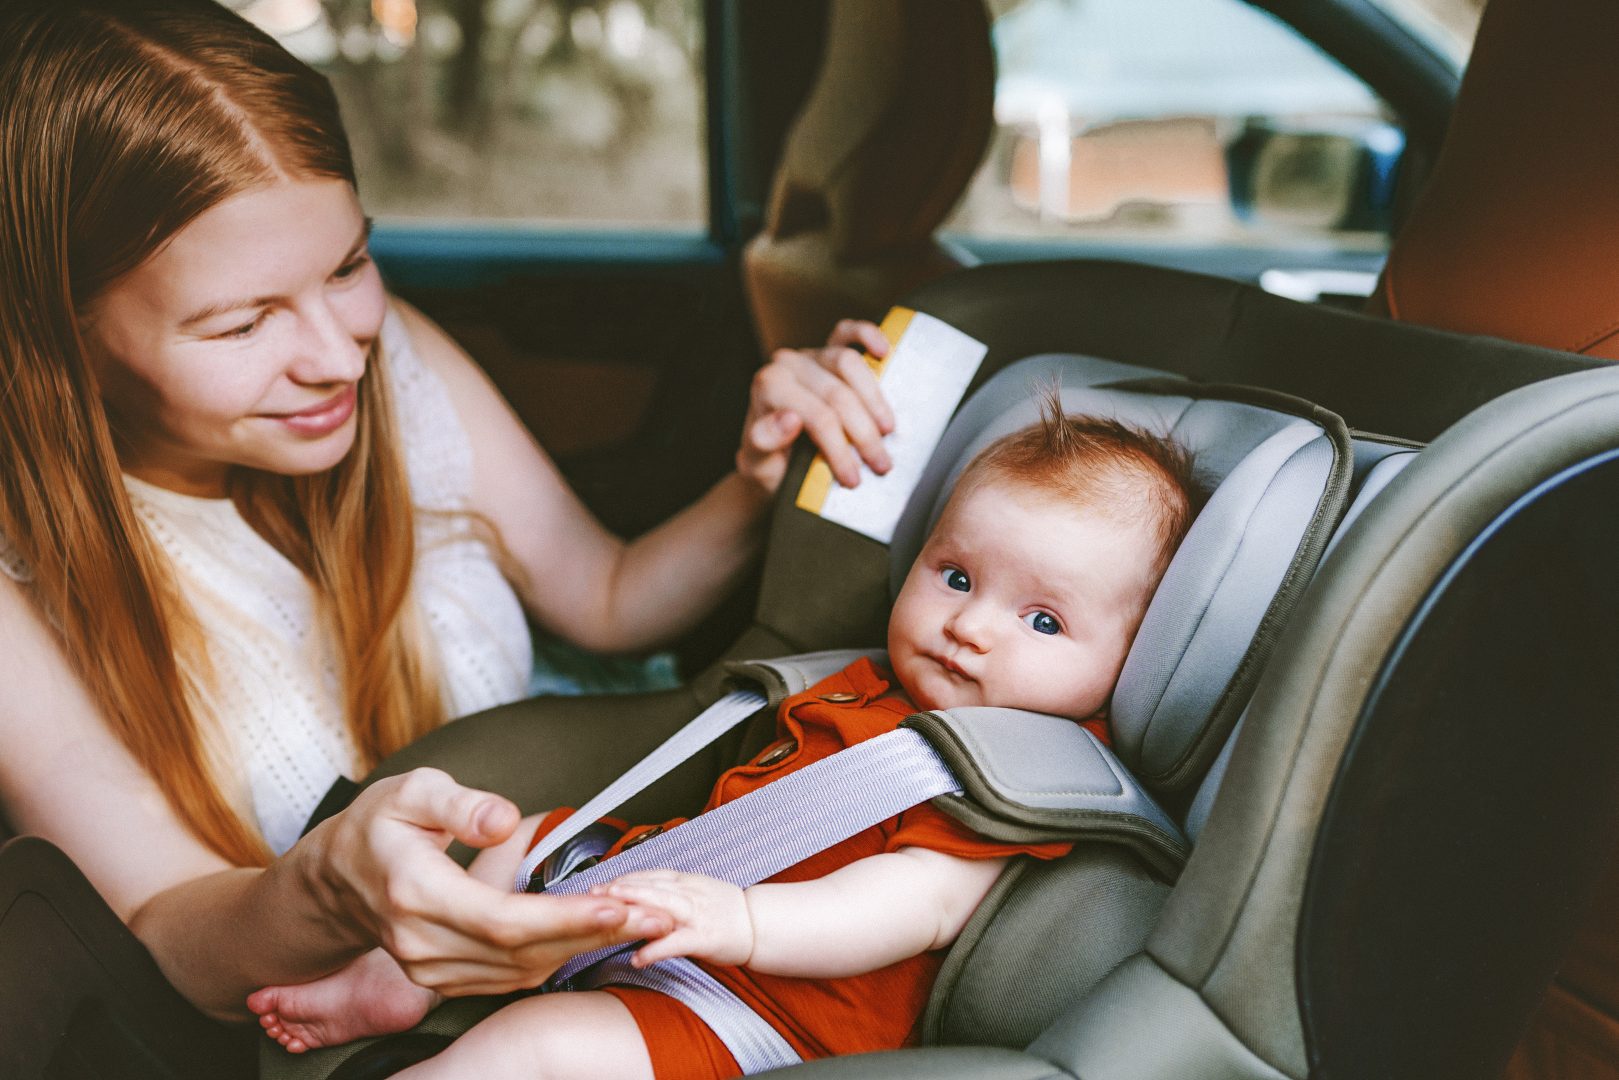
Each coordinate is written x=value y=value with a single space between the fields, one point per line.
x=892 y=132
x=1277 y=474
x=1512 y=235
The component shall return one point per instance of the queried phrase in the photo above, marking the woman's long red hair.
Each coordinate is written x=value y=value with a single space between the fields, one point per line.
x=120 y=122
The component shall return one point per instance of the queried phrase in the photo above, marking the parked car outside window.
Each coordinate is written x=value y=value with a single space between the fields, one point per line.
x=1188 y=121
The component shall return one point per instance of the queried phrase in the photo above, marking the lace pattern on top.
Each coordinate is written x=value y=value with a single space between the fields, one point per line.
x=276 y=694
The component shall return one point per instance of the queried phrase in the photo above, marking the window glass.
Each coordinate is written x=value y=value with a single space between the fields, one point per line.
x=1176 y=120
x=571 y=112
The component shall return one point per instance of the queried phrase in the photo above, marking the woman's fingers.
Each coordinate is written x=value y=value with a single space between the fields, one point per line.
x=836 y=417
x=431 y=800
x=775 y=431
x=859 y=334
x=842 y=354
x=387 y=871
x=511 y=940
x=856 y=372
x=832 y=394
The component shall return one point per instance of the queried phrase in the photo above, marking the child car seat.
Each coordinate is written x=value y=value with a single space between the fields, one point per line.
x=1244 y=337
x=1216 y=980
x=1279 y=473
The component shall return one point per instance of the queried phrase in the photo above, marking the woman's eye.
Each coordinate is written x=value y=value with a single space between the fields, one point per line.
x=956 y=579
x=1043 y=622
x=244 y=330
x=349 y=269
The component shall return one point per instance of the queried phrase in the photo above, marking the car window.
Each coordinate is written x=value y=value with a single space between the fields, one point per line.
x=1186 y=121
x=581 y=113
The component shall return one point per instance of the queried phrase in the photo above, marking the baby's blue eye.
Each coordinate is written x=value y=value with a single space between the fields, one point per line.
x=956 y=579
x=1043 y=622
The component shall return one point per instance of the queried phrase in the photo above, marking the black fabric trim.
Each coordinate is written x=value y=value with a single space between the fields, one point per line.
x=336 y=800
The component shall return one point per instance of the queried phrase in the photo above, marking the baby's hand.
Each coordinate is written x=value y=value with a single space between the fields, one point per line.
x=710 y=917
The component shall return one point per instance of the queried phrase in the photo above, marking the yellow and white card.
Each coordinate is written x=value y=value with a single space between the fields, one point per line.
x=924 y=375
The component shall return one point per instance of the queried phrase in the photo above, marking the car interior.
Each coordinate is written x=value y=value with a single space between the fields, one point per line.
x=1362 y=821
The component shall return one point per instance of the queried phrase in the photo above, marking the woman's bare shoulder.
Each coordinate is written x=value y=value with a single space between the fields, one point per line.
x=65 y=776
x=439 y=352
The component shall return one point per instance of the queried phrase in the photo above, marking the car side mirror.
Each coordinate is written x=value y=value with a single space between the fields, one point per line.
x=1319 y=176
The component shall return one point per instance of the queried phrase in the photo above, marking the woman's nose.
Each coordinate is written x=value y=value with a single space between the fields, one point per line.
x=327 y=351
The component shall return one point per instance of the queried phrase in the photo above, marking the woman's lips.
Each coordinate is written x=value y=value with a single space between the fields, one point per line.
x=322 y=419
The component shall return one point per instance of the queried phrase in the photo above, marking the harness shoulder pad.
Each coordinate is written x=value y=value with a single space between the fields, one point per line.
x=1030 y=778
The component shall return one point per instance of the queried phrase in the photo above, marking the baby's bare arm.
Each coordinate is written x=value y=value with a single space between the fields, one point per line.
x=870 y=914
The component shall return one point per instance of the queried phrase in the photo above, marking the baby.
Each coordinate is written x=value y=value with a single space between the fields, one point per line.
x=1027 y=595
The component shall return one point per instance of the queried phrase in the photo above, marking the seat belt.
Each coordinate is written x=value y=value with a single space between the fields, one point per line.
x=703 y=729
x=782 y=823
x=742 y=842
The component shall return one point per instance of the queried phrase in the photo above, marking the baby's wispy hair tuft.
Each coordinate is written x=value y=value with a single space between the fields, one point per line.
x=1100 y=463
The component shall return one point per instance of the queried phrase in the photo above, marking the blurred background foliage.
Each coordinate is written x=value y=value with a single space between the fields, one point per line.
x=579 y=111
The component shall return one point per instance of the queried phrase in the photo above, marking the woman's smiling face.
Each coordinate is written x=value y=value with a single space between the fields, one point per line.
x=242 y=340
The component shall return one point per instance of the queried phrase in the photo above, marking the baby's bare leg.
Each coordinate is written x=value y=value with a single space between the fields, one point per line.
x=585 y=1035
x=371 y=996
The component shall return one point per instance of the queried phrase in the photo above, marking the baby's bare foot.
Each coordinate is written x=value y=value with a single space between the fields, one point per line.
x=371 y=996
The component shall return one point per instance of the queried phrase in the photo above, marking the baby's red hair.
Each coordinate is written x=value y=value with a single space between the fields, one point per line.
x=1103 y=465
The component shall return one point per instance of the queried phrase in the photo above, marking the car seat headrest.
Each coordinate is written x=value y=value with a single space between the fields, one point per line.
x=1277 y=482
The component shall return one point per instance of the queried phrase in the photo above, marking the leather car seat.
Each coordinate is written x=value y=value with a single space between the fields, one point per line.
x=1513 y=236
x=893 y=130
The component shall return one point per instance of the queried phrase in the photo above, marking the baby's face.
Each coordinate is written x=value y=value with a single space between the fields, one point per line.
x=1020 y=602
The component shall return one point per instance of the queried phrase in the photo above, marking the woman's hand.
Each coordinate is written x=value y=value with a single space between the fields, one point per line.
x=829 y=392
x=380 y=866
x=709 y=918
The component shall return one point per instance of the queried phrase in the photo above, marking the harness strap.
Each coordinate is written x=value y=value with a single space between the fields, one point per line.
x=707 y=726
x=756 y=1046
x=744 y=842
x=783 y=823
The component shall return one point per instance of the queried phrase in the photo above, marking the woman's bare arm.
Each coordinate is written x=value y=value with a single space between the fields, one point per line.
x=589 y=585
x=374 y=874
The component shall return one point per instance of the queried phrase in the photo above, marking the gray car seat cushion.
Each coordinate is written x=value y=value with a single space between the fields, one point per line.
x=1008 y=975
x=1275 y=479
x=1212 y=598
x=1141 y=1023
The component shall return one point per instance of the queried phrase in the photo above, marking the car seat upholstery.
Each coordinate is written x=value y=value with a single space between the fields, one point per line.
x=1222 y=979
x=1279 y=481
x=1224 y=975
x=876 y=159
x=1278 y=485
x=1512 y=237
x=1230 y=967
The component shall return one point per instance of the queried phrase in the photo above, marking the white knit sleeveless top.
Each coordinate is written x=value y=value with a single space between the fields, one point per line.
x=274 y=706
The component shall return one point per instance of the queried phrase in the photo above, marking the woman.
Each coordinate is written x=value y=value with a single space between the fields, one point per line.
x=260 y=524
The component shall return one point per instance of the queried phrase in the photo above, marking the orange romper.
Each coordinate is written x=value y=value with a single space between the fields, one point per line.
x=879 y=1010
